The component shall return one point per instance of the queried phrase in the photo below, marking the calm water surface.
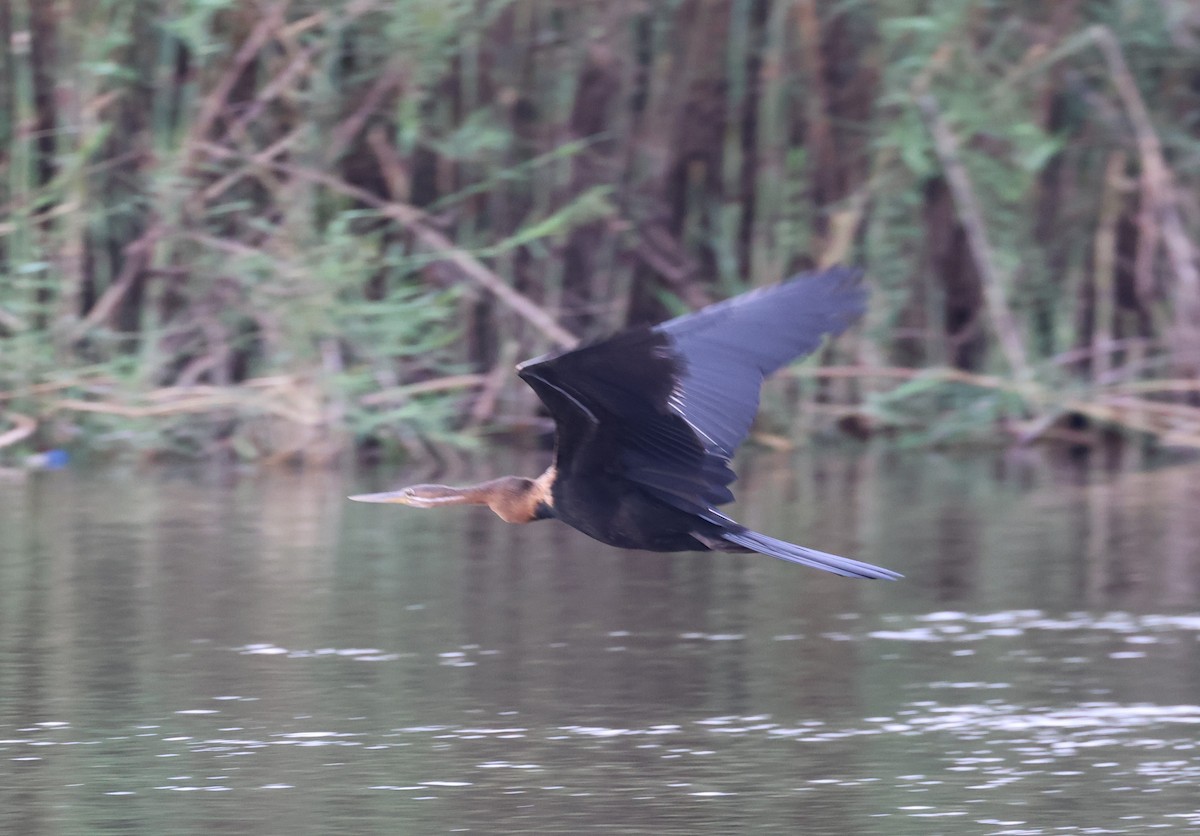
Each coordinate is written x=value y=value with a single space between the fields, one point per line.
x=209 y=651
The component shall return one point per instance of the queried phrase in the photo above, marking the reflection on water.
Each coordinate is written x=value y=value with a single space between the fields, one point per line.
x=206 y=651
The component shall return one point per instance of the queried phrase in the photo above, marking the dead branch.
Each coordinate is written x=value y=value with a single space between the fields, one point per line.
x=394 y=172
x=1159 y=192
x=399 y=394
x=279 y=146
x=485 y=404
x=971 y=216
x=23 y=427
x=414 y=220
x=1171 y=423
x=135 y=258
x=392 y=78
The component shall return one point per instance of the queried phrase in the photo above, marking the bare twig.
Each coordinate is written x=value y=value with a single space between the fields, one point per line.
x=23 y=427
x=392 y=78
x=394 y=172
x=843 y=227
x=300 y=65
x=399 y=394
x=279 y=146
x=136 y=257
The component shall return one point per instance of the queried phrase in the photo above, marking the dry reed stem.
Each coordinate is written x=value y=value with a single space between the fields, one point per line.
x=1104 y=259
x=424 y=387
x=23 y=427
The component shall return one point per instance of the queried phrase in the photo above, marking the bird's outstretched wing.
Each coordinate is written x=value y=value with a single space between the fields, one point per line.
x=672 y=403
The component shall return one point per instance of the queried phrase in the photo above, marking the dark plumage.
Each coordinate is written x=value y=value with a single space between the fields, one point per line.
x=648 y=419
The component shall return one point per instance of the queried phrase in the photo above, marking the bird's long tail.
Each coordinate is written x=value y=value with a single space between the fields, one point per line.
x=792 y=553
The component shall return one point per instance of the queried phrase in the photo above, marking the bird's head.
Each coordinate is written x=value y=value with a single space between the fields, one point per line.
x=417 y=496
x=513 y=498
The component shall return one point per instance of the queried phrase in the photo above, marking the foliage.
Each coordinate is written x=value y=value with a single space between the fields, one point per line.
x=286 y=228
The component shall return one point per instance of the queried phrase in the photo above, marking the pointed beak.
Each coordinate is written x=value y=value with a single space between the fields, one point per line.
x=397 y=497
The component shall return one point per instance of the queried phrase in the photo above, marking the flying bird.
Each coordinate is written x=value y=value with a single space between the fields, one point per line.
x=648 y=419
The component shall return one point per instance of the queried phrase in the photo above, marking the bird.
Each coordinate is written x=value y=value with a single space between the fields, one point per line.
x=647 y=421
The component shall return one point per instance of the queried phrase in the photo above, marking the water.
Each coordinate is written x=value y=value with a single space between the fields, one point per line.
x=204 y=651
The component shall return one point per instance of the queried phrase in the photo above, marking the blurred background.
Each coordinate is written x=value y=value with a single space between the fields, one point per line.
x=323 y=233
x=292 y=230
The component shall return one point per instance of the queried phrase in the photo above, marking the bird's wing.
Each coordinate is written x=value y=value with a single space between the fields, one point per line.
x=609 y=402
x=728 y=348
x=672 y=403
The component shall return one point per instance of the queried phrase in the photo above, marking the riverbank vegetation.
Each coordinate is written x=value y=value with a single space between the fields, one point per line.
x=280 y=229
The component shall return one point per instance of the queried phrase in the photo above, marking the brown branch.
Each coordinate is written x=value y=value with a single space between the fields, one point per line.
x=392 y=78
x=423 y=387
x=394 y=172
x=414 y=220
x=136 y=257
x=284 y=143
x=300 y=64
x=23 y=427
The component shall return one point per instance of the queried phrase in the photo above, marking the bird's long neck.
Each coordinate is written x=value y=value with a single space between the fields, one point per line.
x=514 y=499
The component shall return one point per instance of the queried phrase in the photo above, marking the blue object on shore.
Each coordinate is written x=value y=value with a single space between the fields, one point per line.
x=49 y=460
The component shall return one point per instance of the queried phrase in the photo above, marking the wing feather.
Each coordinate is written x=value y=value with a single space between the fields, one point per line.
x=673 y=402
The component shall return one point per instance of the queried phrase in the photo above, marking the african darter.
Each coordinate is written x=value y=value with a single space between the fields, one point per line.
x=648 y=419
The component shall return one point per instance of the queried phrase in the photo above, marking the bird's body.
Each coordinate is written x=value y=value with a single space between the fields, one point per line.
x=648 y=419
